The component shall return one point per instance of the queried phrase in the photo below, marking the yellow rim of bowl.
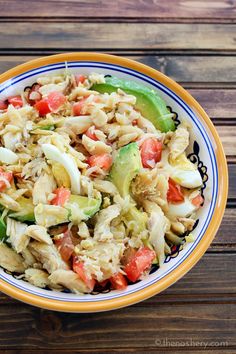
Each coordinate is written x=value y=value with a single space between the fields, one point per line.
x=212 y=228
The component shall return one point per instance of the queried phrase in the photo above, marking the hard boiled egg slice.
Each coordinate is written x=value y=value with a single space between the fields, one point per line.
x=187 y=179
x=53 y=153
x=181 y=209
x=184 y=172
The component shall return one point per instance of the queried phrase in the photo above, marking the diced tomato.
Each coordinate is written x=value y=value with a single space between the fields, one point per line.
x=80 y=78
x=151 y=150
x=3 y=104
x=62 y=196
x=90 y=133
x=65 y=245
x=174 y=193
x=42 y=107
x=140 y=262
x=104 y=161
x=135 y=122
x=16 y=101
x=197 y=201
x=56 y=100
x=78 y=267
x=77 y=107
x=6 y=175
x=51 y=103
x=118 y=281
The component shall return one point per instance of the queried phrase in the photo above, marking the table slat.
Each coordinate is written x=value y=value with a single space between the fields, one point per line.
x=149 y=36
x=130 y=9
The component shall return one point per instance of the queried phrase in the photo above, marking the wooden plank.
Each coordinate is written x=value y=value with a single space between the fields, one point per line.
x=182 y=68
x=26 y=327
x=218 y=103
x=168 y=350
x=228 y=138
x=72 y=36
x=225 y=236
x=213 y=279
x=194 y=68
x=120 y=9
x=186 y=350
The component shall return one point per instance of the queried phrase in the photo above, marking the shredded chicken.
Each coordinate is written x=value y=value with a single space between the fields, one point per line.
x=50 y=215
x=43 y=187
x=37 y=277
x=16 y=231
x=48 y=255
x=10 y=260
x=178 y=142
x=158 y=225
x=150 y=185
x=102 y=231
x=68 y=279
x=39 y=233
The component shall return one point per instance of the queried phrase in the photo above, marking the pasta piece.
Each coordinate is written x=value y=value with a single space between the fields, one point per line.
x=78 y=125
x=98 y=117
x=95 y=147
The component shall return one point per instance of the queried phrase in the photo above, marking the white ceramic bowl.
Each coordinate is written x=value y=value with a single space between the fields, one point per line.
x=205 y=149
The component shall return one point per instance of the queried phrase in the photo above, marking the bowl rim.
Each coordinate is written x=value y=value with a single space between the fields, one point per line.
x=214 y=223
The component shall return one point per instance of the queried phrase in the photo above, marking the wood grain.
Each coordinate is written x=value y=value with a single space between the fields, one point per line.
x=208 y=349
x=224 y=349
x=192 y=41
x=35 y=328
x=228 y=138
x=173 y=9
x=182 y=68
x=149 y=36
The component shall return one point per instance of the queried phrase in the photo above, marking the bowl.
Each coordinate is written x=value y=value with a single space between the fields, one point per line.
x=205 y=150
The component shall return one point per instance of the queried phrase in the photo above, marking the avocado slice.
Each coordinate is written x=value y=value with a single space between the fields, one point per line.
x=148 y=102
x=3 y=230
x=125 y=167
x=26 y=212
x=89 y=206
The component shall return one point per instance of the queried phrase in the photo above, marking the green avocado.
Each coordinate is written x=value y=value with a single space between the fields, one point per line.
x=126 y=166
x=26 y=212
x=89 y=206
x=148 y=102
x=3 y=230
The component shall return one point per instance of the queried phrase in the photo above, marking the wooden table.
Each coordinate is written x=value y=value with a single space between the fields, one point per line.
x=194 y=42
